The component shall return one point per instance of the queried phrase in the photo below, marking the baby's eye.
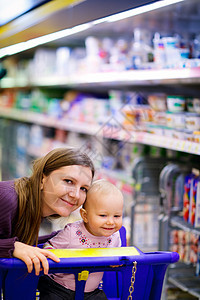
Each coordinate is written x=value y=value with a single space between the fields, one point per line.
x=117 y=216
x=102 y=216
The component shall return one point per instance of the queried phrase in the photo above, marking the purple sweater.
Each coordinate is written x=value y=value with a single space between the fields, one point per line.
x=8 y=215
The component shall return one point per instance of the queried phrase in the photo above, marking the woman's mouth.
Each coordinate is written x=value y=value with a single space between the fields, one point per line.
x=67 y=202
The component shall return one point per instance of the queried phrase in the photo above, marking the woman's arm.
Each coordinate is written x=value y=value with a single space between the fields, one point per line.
x=8 y=213
x=30 y=255
x=10 y=246
x=7 y=247
x=34 y=256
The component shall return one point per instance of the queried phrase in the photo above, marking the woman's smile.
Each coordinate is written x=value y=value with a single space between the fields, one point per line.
x=68 y=202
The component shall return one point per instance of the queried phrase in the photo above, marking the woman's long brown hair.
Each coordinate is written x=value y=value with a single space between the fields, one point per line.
x=29 y=190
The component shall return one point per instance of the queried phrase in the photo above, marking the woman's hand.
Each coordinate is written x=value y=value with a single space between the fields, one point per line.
x=34 y=256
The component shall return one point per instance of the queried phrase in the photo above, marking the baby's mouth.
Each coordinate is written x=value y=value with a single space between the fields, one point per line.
x=108 y=228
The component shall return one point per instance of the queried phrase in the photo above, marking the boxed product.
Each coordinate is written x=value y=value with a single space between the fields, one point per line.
x=186 y=196
x=193 y=196
x=197 y=208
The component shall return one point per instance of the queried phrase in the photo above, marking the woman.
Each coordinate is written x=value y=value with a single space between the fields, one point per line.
x=57 y=186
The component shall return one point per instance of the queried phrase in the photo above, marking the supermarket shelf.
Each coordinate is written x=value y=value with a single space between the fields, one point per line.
x=140 y=77
x=58 y=15
x=111 y=79
x=10 y=82
x=183 y=277
x=168 y=143
x=44 y=120
x=180 y=223
x=108 y=130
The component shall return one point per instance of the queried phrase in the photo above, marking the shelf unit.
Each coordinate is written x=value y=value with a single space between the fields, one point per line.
x=184 y=79
x=132 y=78
x=181 y=224
x=105 y=131
x=183 y=275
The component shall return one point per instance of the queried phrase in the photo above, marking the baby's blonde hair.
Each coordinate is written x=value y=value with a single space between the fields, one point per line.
x=103 y=186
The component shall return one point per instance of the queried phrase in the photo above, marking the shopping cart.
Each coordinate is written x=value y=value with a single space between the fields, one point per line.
x=138 y=275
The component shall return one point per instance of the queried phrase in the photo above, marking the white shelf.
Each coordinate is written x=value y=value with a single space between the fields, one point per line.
x=180 y=223
x=122 y=78
x=44 y=120
x=105 y=130
x=168 y=143
x=140 y=77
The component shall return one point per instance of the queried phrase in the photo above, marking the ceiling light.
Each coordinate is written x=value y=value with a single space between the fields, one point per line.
x=16 y=48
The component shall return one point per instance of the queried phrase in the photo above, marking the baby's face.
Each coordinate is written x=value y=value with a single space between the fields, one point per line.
x=104 y=213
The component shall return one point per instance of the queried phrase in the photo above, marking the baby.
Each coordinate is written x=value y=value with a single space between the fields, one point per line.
x=99 y=228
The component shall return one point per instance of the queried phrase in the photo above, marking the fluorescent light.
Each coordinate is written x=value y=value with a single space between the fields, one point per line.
x=140 y=10
x=16 y=48
x=136 y=11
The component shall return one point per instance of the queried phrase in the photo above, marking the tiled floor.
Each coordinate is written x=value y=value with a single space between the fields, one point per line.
x=176 y=294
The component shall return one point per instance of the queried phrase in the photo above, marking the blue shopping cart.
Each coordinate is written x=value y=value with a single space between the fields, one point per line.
x=138 y=275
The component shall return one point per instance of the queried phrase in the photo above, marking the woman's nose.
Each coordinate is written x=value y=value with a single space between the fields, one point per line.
x=74 y=193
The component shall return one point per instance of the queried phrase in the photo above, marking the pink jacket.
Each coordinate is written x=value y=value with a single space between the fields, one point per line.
x=75 y=235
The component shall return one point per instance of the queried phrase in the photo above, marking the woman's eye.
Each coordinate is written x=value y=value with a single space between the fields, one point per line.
x=68 y=180
x=84 y=189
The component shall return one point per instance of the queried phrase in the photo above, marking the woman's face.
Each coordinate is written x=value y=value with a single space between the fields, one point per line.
x=65 y=189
